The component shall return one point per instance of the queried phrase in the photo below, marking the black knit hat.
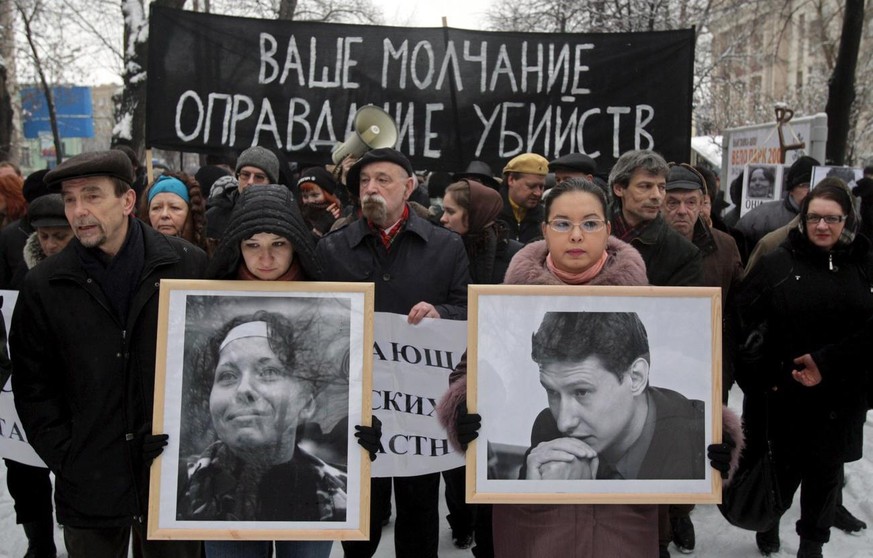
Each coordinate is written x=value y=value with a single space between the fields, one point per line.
x=800 y=172
x=264 y=208
x=113 y=163
x=374 y=156
x=34 y=185
x=320 y=177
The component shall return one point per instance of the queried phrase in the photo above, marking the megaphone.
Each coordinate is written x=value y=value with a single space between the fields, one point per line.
x=372 y=128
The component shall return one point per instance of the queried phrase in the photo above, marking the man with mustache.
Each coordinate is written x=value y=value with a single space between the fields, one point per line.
x=421 y=271
x=83 y=340
x=524 y=180
x=638 y=182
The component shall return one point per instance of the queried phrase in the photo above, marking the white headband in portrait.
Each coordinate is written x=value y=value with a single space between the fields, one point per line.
x=248 y=329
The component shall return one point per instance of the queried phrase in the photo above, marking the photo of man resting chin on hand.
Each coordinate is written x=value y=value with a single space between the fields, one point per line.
x=604 y=420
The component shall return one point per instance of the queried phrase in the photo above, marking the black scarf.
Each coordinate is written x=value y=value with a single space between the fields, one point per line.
x=118 y=277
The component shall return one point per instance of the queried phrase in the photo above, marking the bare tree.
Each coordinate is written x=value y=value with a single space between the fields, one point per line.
x=8 y=84
x=841 y=89
x=29 y=13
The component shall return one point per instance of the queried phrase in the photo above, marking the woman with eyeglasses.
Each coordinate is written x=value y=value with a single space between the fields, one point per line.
x=577 y=249
x=815 y=289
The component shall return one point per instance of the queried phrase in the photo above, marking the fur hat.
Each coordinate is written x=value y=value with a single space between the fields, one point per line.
x=264 y=208
x=261 y=158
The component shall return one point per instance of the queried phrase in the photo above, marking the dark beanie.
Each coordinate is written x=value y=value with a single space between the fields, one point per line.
x=264 y=208
x=35 y=186
x=800 y=172
x=260 y=158
x=320 y=177
x=208 y=174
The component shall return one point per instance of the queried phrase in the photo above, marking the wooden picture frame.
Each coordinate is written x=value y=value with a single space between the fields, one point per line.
x=662 y=454
x=224 y=395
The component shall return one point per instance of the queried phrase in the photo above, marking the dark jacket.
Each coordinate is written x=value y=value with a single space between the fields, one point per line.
x=809 y=299
x=721 y=258
x=671 y=260
x=677 y=446
x=12 y=239
x=84 y=383
x=426 y=263
x=490 y=255
x=765 y=218
x=529 y=229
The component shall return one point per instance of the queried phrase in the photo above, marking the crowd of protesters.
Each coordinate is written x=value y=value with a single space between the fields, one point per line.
x=87 y=243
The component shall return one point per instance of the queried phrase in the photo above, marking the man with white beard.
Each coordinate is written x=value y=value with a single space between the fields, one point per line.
x=421 y=271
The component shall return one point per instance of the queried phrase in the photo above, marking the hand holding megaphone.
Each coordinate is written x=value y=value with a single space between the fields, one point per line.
x=373 y=128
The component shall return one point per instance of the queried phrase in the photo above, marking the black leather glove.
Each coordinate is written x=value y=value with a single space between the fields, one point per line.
x=153 y=446
x=720 y=454
x=467 y=425
x=370 y=437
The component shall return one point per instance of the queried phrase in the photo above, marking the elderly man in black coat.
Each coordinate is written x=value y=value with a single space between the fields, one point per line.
x=83 y=342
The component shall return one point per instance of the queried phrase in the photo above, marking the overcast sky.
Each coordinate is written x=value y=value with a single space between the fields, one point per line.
x=465 y=14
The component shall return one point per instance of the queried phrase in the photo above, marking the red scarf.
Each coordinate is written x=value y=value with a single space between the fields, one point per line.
x=387 y=236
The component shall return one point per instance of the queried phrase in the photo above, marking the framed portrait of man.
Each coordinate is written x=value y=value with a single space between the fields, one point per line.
x=594 y=394
x=259 y=386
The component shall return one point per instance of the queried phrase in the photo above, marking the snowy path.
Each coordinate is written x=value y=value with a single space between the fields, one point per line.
x=715 y=537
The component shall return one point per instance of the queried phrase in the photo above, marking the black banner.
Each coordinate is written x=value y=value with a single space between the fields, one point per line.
x=217 y=82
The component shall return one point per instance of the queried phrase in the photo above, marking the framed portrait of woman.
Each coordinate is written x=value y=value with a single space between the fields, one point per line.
x=259 y=385
x=599 y=395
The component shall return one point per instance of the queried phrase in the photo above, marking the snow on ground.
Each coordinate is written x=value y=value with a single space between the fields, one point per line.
x=715 y=537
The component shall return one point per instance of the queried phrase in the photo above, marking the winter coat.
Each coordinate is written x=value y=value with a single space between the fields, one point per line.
x=530 y=228
x=12 y=239
x=765 y=218
x=531 y=531
x=84 y=382
x=490 y=258
x=808 y=299
x=671 y=260
x=721 y=258
x=526 y=530
x=426 y=263
x=33 y=255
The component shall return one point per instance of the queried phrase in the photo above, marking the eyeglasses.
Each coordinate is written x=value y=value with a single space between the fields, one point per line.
x=564 y=226
x=257 y=176
x=815 y=219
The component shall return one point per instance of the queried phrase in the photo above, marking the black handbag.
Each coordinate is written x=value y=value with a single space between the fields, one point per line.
x=752 y=500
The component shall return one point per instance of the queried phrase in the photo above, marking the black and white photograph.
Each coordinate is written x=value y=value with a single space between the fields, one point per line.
x=595 y=397
x=261 y=391
x=761 y=184
x=849 y=175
